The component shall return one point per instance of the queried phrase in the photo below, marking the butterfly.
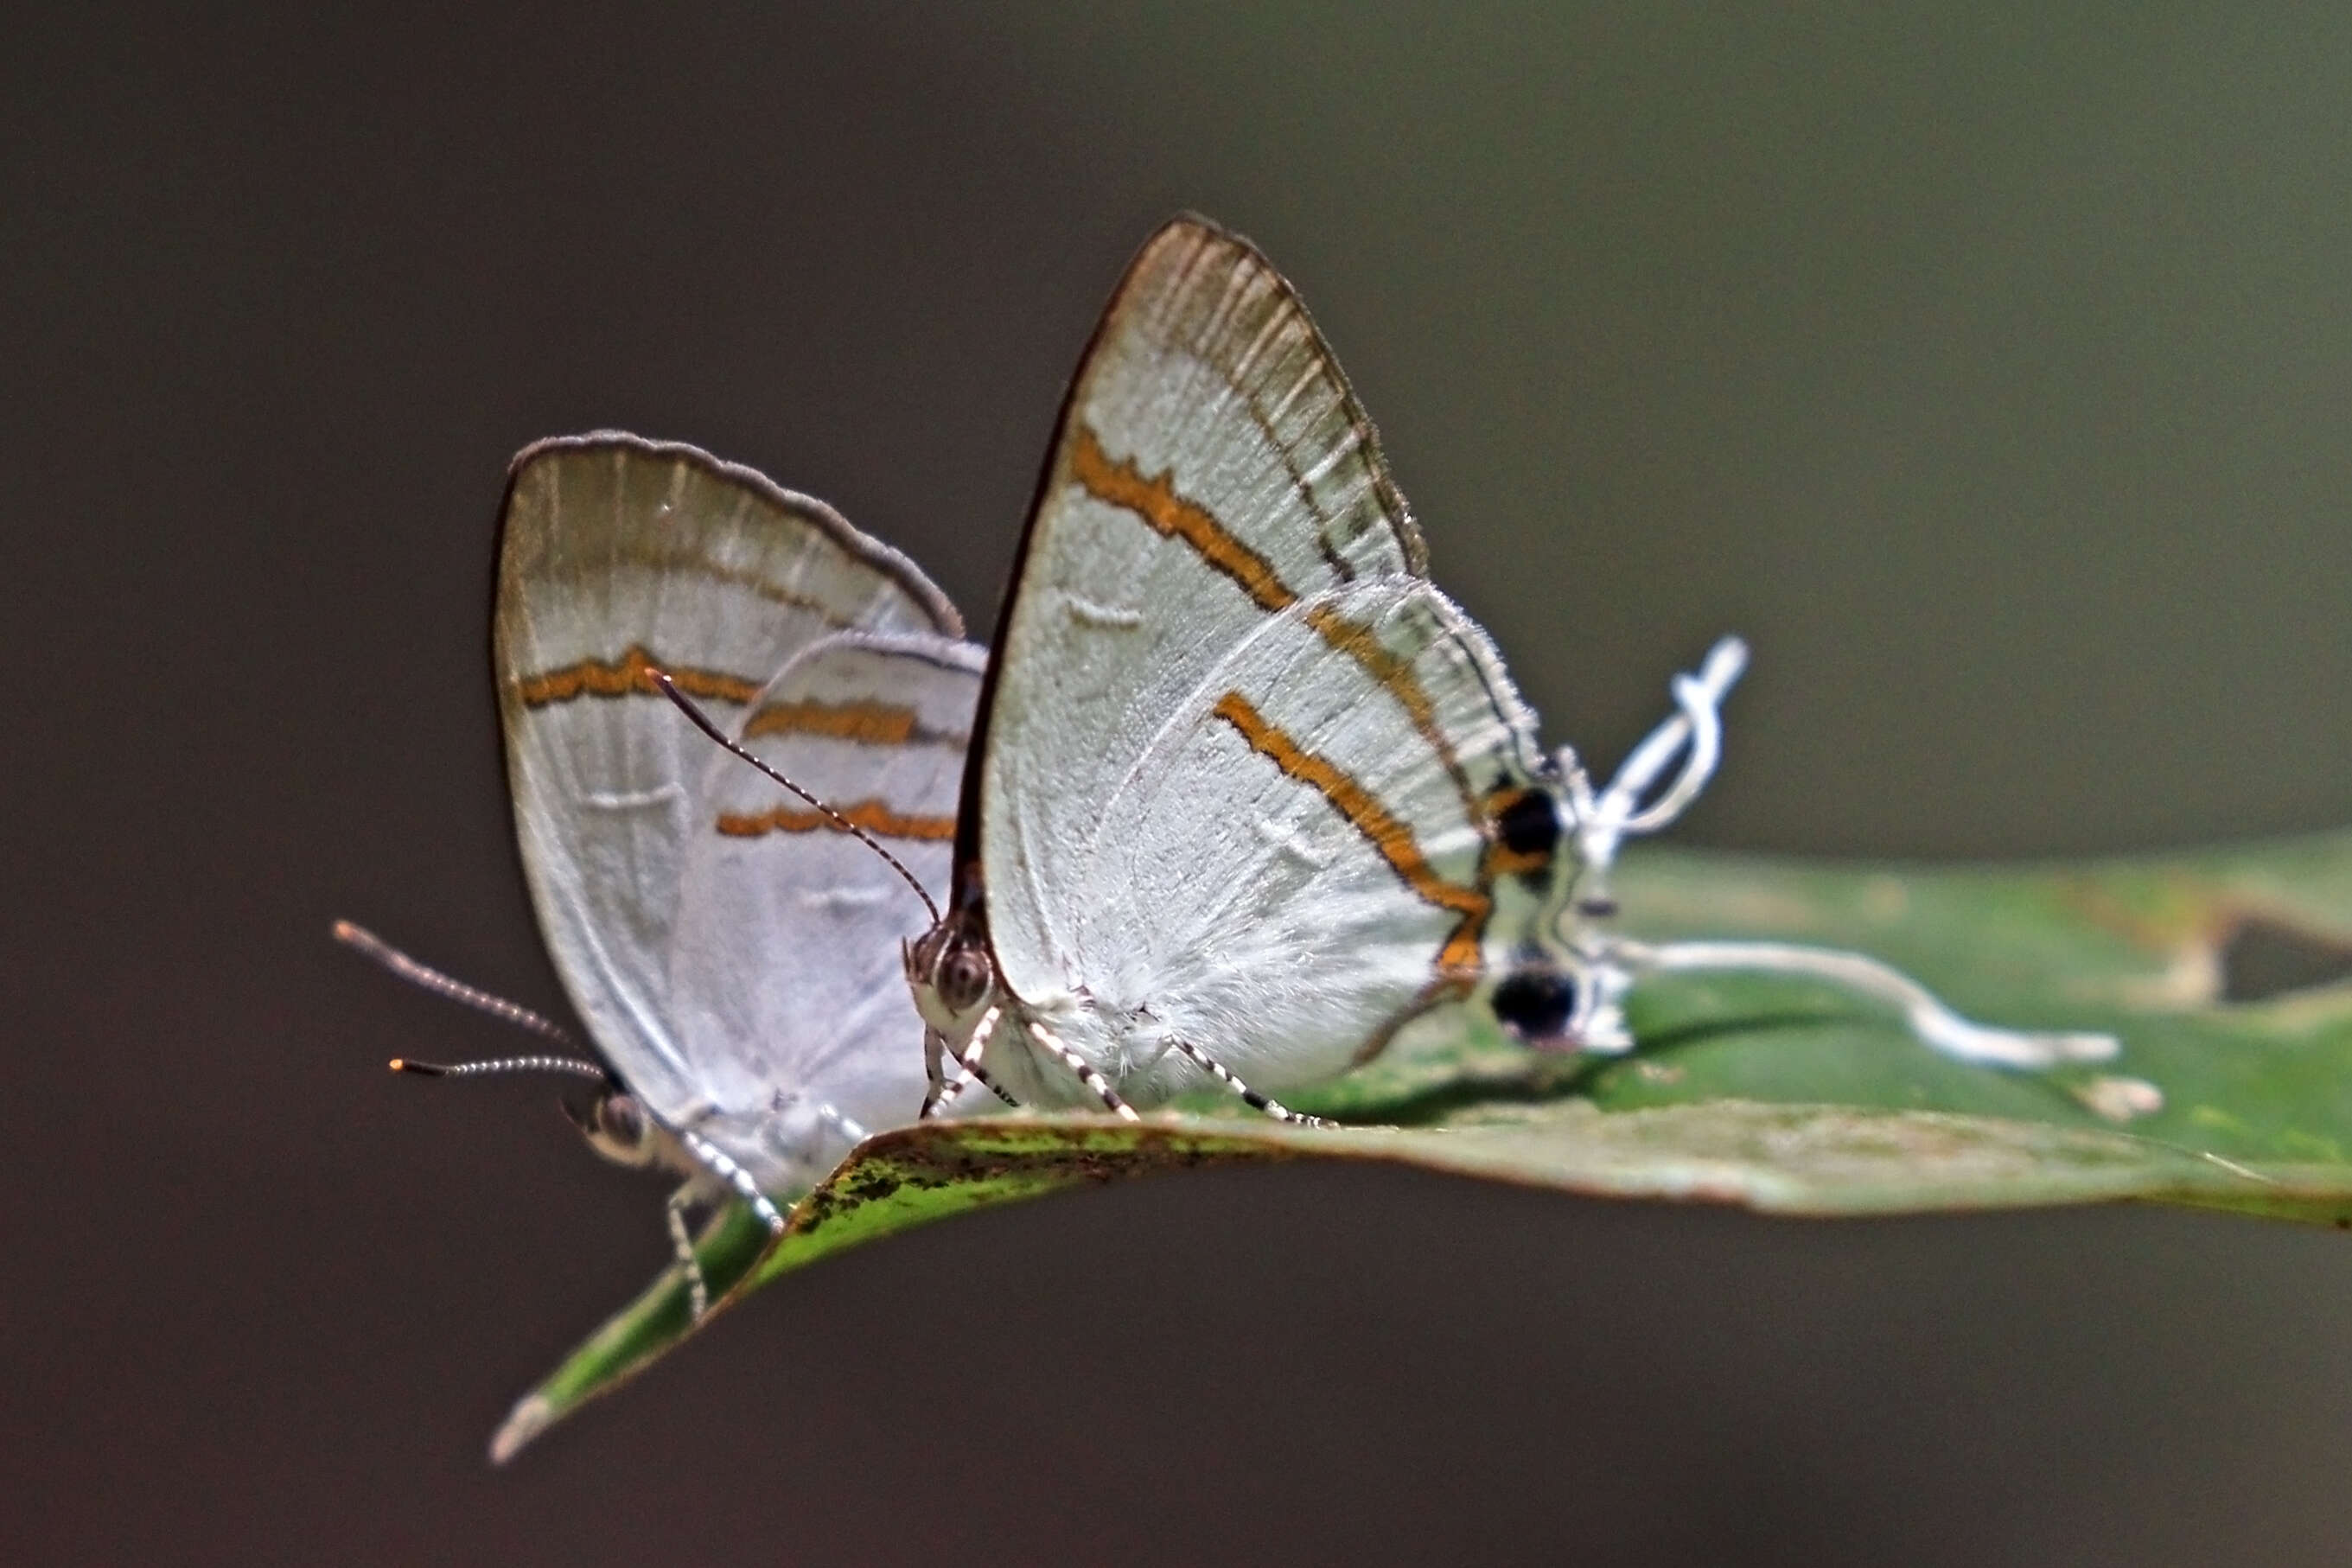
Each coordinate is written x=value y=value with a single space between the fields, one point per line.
x=735 y=955
x=1248 y=795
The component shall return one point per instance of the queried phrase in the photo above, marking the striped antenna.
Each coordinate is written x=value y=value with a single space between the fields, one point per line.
x=424 y=977
x=573 y=1066
x=702 y=721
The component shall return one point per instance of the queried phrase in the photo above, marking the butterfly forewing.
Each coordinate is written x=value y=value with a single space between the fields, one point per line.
x=1239 y=753
x=1213 y=467
x=619 y=556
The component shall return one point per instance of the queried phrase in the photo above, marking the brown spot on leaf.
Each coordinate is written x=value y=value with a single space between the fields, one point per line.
x=933 y=1157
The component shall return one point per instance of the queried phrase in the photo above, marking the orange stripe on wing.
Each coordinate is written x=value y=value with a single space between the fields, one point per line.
x=1155 y=500
x=866 y=723
x=873 y=817
x=1367 y=816
x=631 y=675
x=1394 y=672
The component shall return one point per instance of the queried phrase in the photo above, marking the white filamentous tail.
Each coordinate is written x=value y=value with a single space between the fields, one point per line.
x=1935 y=1024
x=1695 y=732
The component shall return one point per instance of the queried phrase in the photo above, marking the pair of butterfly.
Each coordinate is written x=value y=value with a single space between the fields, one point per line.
x=1237 y=798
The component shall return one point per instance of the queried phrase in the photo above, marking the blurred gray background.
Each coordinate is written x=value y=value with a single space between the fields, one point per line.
x=1987 y=366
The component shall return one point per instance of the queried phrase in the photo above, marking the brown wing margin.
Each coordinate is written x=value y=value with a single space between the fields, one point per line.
x=1185 y=228
x=853 y=541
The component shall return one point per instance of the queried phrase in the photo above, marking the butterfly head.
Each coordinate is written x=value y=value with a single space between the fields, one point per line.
x=617 y=1125
x=952 y=972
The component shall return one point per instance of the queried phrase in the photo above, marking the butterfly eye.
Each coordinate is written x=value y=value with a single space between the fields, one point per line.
x=621 y=1119
x=1536 y=1005
x=963 y=978
x=616 y=1127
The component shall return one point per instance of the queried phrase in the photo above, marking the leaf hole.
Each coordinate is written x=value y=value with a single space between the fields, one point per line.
x=2263 y=958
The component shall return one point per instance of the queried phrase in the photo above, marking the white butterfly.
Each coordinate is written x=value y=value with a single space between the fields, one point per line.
x=736 y=960
x=1249 y=794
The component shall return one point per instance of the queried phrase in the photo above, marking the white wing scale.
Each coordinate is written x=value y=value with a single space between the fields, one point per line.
x=1311 y=871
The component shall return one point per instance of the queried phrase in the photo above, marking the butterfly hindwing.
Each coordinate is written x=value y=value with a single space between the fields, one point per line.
x=786 y=975
x=1213 y=467
x=1297 y=866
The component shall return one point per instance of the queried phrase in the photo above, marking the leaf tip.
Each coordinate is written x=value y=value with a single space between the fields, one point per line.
x=531 y=1416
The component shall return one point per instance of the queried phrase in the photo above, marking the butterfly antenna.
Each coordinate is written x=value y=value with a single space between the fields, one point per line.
x=426 y=978
x=573 y=1066
x=703 y=722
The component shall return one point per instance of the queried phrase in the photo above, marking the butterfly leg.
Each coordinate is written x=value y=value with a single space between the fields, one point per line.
x=945 y=1091
x=934 y=1058
x=1935 y=1024
x=719 y=1164
x=681 y=1241
x=968 y=1069
x=1086 y=1072
x=1250 y=1096
x=954 y=1089
x=847 y=1127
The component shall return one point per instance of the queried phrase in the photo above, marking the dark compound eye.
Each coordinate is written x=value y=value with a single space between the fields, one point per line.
x=1536 y=1005
x=623 y=1120
x=963 y=979
x=1529 y=824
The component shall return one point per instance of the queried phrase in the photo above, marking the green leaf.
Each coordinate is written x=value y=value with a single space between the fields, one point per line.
x=2220 y=971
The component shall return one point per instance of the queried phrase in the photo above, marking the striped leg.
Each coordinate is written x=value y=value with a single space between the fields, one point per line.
x=735 y=1176
x=1250 y=1096
x=1087 y=1073
x=964 y=1079
x=681 y=1241
x=934 y=1065
x=936 y=1103
x=831 y=1116
x=968 y=1070
x=715 y=1160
